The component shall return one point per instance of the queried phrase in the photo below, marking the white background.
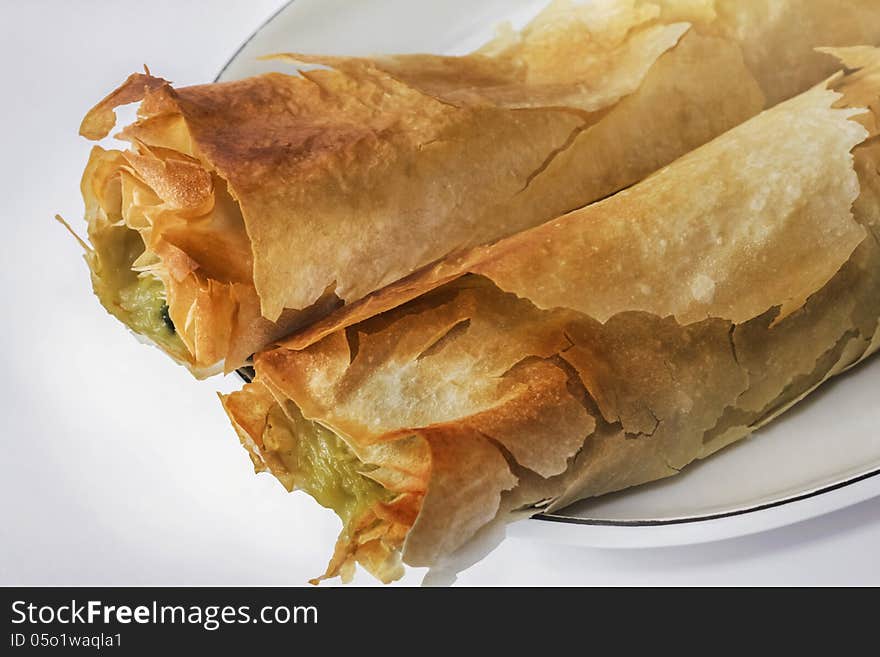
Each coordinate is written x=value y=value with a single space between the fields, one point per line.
x=116 y=467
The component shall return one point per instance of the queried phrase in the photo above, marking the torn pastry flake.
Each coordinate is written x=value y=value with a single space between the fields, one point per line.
x=788 y=171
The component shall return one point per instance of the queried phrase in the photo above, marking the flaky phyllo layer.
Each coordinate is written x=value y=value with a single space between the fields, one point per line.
x=607 y=348
x=148 y=209
x=263 y=205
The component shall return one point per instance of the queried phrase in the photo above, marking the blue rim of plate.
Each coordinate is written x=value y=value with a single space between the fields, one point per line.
x=246 y=375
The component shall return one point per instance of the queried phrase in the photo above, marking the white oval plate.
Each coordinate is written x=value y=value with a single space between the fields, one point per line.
x=821 y=456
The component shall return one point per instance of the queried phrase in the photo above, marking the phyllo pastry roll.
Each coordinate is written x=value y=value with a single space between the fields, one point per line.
x=245 y=210
x=609 y=347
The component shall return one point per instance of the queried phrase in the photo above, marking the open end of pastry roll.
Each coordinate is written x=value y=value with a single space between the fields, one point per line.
x=376 y=512
x=124 y=273
x=169 y=255
x=605 y=349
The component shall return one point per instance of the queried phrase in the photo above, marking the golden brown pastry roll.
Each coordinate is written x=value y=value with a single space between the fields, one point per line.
x=609 y=347
x=245 y=210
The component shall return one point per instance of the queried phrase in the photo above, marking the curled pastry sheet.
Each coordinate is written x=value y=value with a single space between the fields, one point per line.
x=522 y=69
x=264 y=205
x=479 y=399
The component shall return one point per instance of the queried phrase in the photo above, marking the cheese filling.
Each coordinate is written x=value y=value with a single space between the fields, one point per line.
x=317 y=461
x=133 y=293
